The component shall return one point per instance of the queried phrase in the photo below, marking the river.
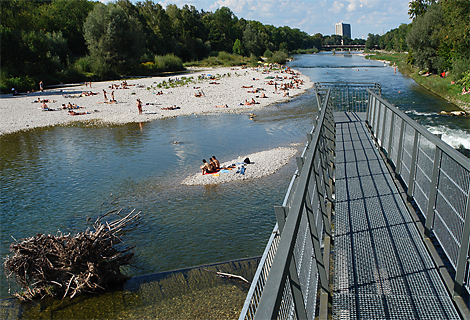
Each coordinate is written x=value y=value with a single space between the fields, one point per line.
x=61 y=178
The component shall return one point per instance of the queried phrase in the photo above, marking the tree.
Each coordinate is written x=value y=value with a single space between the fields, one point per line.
x=372 y=41
x=423 y=39
x=237 y=47
x=419 y=7
x=115 y=39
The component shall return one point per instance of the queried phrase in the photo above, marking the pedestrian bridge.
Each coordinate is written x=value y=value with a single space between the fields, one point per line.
x=375 y=222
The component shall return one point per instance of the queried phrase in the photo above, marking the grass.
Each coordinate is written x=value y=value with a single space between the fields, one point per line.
x=434 y=83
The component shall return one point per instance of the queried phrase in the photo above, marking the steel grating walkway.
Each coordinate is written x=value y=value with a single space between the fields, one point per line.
x=382 y=268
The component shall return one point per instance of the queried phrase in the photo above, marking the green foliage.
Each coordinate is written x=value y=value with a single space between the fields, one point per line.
x=465 y=80
x=19 y=83
x=168 y=62
x=279 y=57
x=237 y=47
x=419 y=7
x=114 y=38
x=220 y=59
x=425 y=48
x=268 y=53
x=459 y=68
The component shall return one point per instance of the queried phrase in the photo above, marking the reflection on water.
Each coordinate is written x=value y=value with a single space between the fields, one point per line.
x=56 y=178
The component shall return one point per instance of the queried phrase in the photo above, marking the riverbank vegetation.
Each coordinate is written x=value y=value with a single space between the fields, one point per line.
x=434 y=49
x=77 y=40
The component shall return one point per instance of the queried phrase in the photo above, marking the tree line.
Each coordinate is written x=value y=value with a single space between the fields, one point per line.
x=72 y=40
x=437 y=39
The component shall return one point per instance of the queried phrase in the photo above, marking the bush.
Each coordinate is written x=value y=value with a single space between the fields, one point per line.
x=224 y=56
x=19 y=83
x=459 y=68
x=253 y=60
x=83 y=64
x=168 y=62
x=268 y=53
x=279 y=57
x=71 y=75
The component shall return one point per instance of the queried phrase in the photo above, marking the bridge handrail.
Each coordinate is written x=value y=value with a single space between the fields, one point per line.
x=437 y=178
x=286 y=291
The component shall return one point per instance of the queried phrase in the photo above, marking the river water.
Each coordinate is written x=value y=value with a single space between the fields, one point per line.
x=61 y=178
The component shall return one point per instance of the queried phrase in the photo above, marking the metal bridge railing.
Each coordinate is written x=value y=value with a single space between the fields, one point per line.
x=285 y=285
x=436 y=176
x=350 y=96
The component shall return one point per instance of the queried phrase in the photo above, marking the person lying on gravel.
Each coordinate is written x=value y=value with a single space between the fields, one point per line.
x=75 y=113
x=171 y=108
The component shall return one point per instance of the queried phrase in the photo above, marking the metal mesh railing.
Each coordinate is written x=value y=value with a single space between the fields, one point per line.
x=349 y=96
x=437 y=177
x=286 y=282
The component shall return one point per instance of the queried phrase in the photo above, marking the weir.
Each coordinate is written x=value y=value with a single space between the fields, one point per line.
x=374 y=195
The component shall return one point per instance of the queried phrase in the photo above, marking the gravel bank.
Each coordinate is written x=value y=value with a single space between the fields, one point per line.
x=219 y=87
x=262 y=164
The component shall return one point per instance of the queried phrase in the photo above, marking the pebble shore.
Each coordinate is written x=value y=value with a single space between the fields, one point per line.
x=225 y=88
x=222 y=89
x=261 y=164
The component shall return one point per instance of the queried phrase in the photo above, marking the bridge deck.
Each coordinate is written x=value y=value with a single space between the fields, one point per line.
x=382 y=268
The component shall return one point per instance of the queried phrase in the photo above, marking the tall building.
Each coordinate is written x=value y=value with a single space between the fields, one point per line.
x=343 y=29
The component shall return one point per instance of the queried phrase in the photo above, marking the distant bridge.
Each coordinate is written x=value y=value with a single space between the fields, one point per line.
x=343 y=46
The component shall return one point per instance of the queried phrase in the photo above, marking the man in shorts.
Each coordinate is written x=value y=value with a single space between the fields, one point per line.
x=206 y=167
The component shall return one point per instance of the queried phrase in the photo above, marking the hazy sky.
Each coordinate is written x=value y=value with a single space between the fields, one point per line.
x=313 y=16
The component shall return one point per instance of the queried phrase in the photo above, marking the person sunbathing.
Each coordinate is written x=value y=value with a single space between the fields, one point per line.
x=45 y=107
x=198 y=94
x=263 y=95
x=44 y=100
x=75 y=113
x=213 y=82
x=222 y=106
x=171 y=108
x=246 y=87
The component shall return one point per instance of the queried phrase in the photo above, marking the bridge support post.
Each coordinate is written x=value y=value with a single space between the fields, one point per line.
x=432 y=193
x=400 y=149
x=414 y=159
x=390 y=136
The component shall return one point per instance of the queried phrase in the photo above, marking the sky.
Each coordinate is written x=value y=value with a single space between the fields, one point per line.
x=312 y=16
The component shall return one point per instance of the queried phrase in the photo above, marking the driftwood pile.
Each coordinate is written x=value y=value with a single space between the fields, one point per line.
x=67 y=265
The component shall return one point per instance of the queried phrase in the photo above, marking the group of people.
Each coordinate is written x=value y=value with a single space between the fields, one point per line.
x=123 y=85
x=112 y=100
x=210 y=167
x=249 y=103
x=465 y=91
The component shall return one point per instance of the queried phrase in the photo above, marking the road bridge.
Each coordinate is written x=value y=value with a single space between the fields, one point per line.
x=345 y=46
x=356 y=237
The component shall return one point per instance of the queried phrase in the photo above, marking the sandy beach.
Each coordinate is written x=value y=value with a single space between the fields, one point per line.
x=221 y=90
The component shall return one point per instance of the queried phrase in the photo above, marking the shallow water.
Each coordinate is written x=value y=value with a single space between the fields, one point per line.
x=58 y=177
